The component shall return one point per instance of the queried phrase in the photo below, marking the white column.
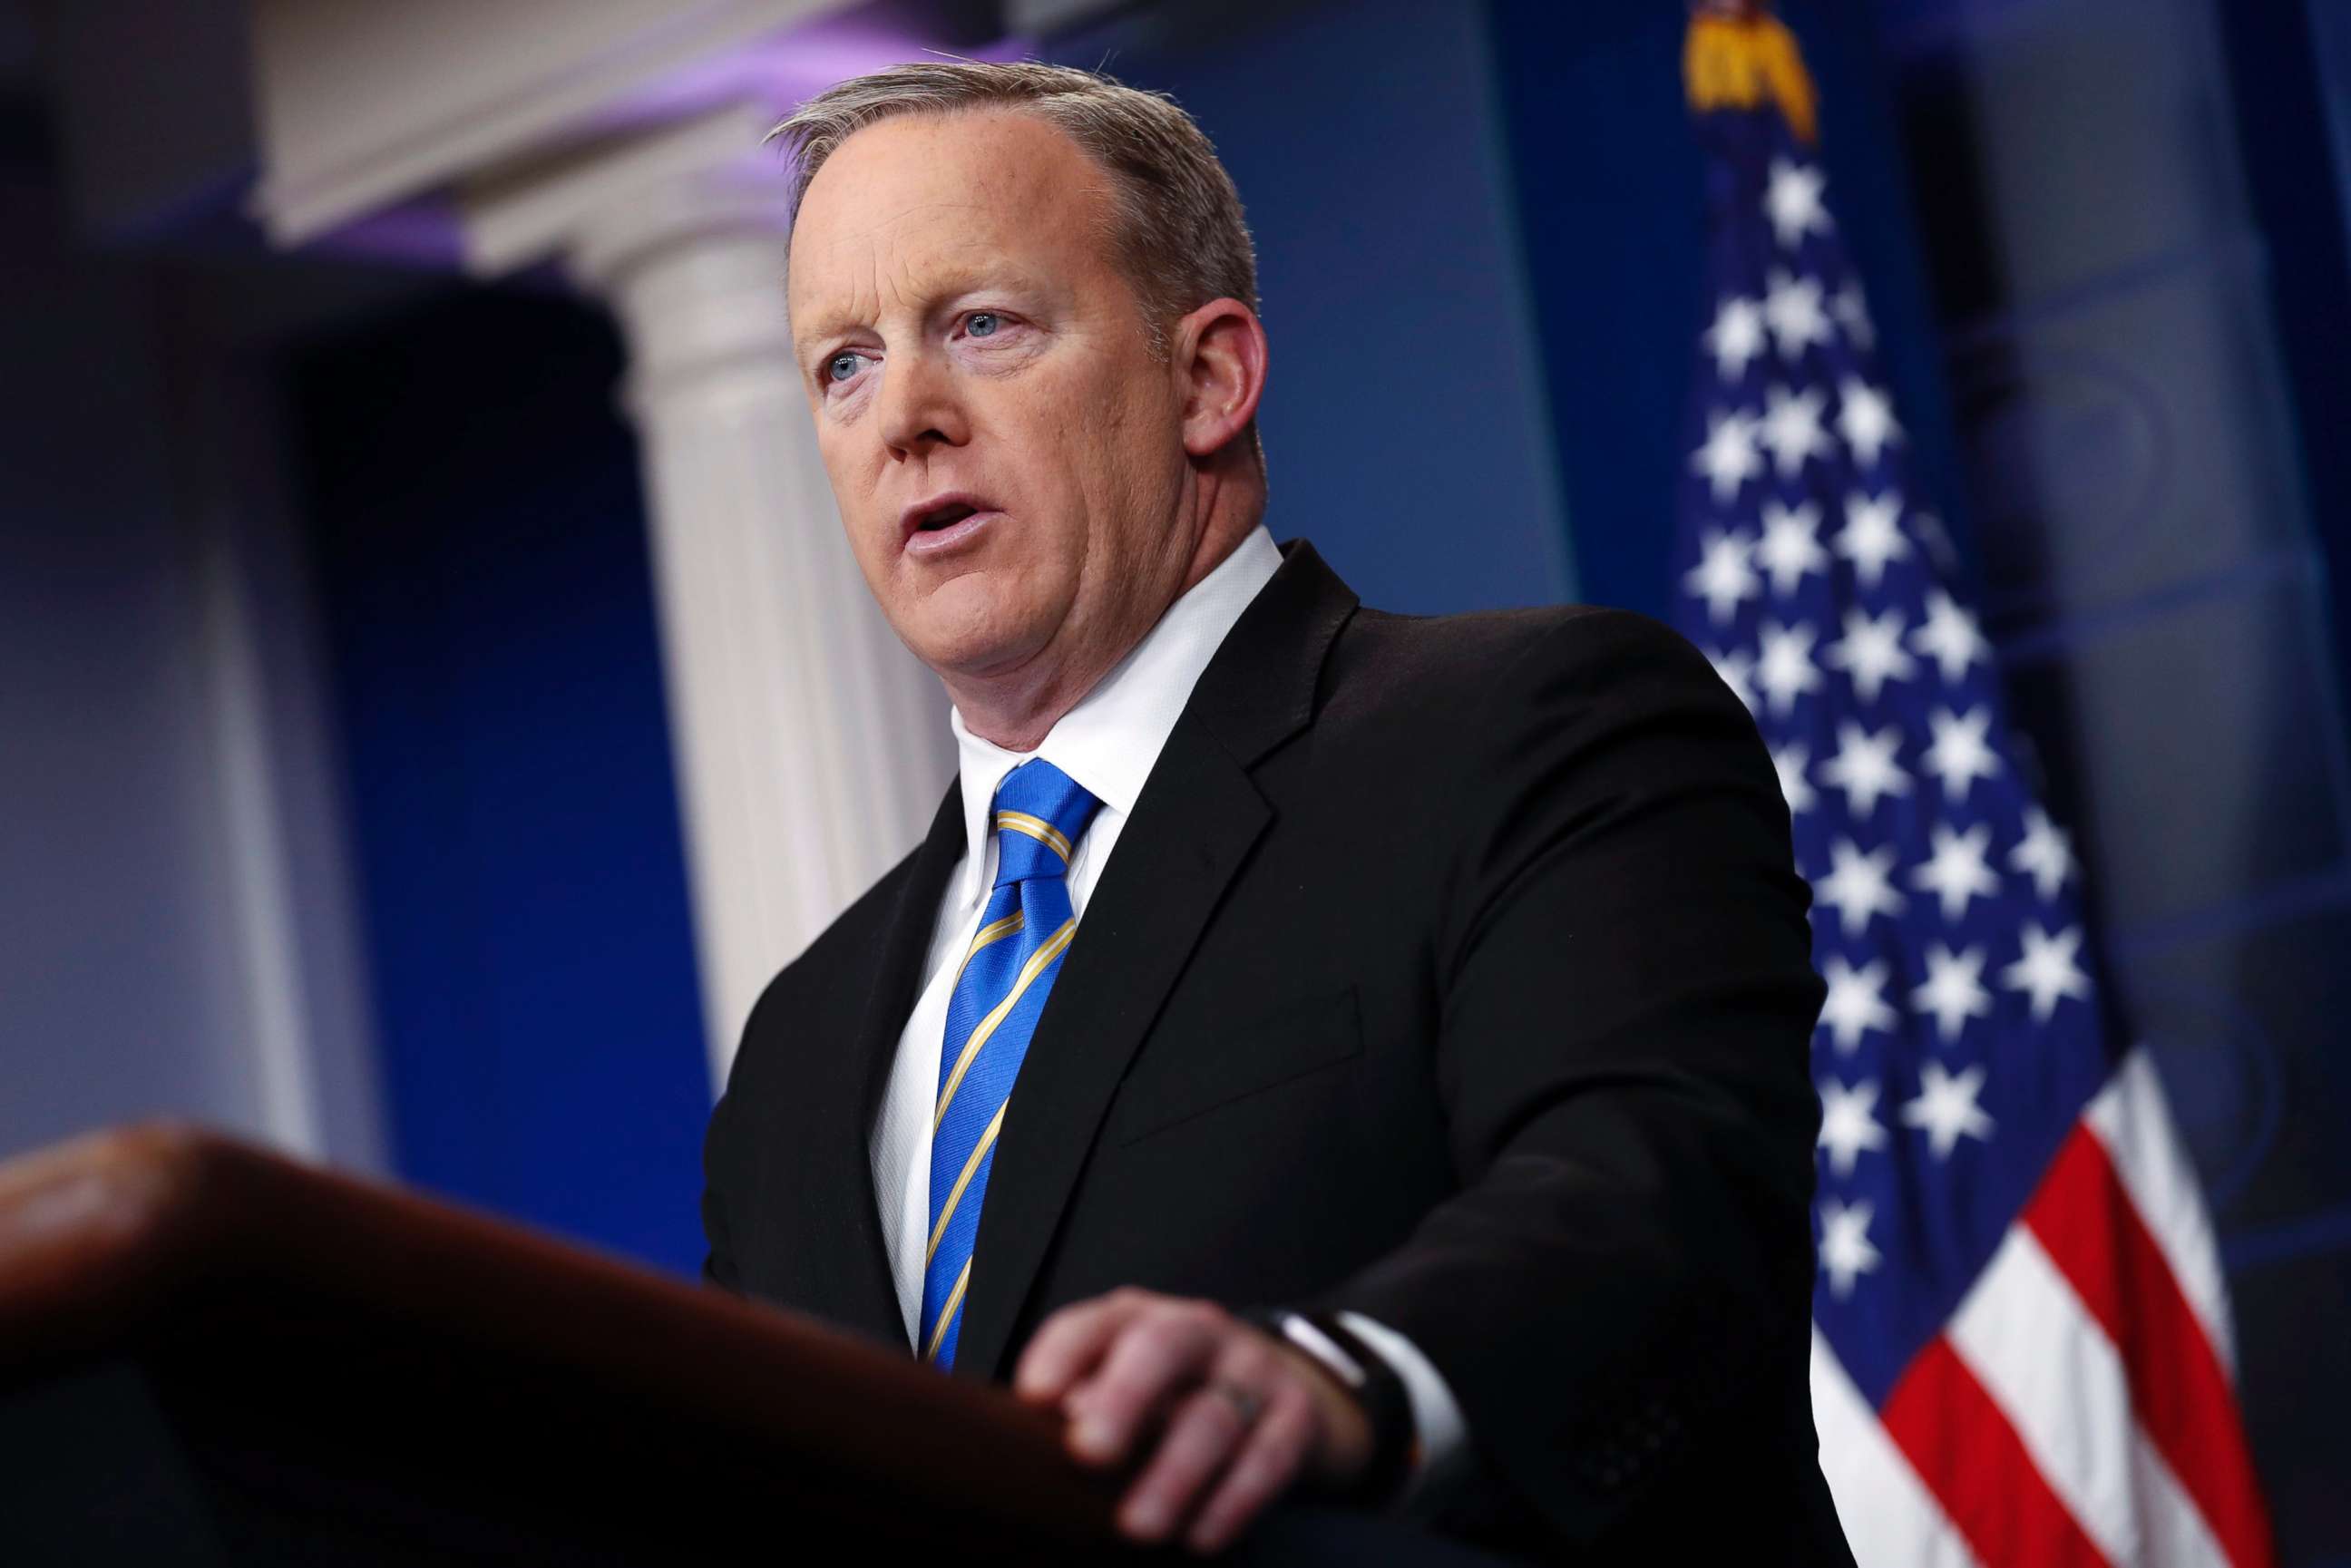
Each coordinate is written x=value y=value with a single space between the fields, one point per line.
x=812 y=747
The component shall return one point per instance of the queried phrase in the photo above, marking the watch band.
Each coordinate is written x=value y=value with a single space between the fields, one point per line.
x=1376 y=1388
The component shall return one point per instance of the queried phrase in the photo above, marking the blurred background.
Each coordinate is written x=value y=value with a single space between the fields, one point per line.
x=433 y=697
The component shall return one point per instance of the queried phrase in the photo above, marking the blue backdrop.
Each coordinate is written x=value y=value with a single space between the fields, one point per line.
x=481 y=552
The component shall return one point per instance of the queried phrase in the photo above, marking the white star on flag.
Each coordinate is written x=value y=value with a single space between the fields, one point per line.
x=1736 y=336
x=1851 y=312
x=1871 y=651
x=2046 y=852
x=1954 y=991
x=1873 y=535
x=1863 y=766
x=1791 y=428
x=1956 y=872
x=1789 y=761
x=1855 y=1003
x=1790 y=545
x=1946 y=1109
x=1865 y=420
x=2047 y=971
x=1845 y=1251
x=1786 y=671
x=1737 y=669
x=1961 y=753
x=1858 y=886
x=1792 y=202
x=1728 y=458
x=1791 y=308
x=1949 y=636
x=1723 y=576
x=1846 y=1125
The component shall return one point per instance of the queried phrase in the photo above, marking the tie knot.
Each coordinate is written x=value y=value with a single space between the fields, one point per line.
x=1040 y=812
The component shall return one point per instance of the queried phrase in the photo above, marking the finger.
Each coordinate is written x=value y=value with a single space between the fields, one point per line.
x=1157 y=1354
x=1205 y=1431
x=1204 y=1434
x=1070 y=1342
x=1271 y=1459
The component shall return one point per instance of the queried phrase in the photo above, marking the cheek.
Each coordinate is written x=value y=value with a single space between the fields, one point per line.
x=849 y=466
x=1103 y=429
x=1138 y=451
x=854 y=491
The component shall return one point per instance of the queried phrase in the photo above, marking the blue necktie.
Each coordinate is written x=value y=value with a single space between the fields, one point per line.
x=1000 y=994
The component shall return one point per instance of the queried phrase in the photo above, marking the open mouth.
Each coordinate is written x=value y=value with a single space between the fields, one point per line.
x=939 y=519
x=947 y=525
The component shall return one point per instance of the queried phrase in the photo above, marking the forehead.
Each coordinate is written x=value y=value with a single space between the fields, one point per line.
x=923 y=201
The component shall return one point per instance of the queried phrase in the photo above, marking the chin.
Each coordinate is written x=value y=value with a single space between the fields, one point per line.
x=965 y=629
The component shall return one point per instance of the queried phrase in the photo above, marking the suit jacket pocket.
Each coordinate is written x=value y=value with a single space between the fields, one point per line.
x=1179 y=1079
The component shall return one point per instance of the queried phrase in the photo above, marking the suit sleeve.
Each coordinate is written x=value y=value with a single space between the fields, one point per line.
x=1626 y=1001
x=725 y=1177
x=718 y=1266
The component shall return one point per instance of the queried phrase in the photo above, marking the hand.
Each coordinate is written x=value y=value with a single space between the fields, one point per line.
x=1129 y=1364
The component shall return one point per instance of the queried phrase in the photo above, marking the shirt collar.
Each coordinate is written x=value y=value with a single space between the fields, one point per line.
x=1110 y=740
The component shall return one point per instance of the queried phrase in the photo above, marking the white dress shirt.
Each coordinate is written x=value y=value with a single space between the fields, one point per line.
x=1107 y=743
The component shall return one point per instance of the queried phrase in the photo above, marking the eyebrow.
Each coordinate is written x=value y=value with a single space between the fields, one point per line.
x=996 y=272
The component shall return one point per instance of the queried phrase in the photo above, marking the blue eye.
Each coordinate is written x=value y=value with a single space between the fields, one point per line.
x=981 y=323
x=840 y=367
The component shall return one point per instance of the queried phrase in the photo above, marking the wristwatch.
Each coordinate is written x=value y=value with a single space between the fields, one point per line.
x=1340 y=1350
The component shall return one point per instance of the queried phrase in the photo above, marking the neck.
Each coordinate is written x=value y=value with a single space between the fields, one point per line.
x=1018 y=708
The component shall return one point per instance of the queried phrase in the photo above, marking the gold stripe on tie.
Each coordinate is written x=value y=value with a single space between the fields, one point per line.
x=1037 y=963
x=948 y=1312
x=1037 y=828
x=993 y=932
x=970 y=1168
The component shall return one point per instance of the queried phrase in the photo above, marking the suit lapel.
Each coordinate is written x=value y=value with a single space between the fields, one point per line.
x=1198 y=817
x=848 y=1268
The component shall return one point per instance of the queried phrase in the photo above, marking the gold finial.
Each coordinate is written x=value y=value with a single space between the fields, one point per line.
x=1739 y=55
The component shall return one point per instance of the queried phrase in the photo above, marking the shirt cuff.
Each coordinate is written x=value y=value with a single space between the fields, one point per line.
x=1439 y=1435
x=1435 y=1415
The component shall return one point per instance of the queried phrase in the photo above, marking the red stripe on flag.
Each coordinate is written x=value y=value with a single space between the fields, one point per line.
x=1962 y=1446
x=2180 y=1392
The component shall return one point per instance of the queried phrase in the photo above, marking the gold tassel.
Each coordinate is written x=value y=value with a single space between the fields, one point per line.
x=1743 y=62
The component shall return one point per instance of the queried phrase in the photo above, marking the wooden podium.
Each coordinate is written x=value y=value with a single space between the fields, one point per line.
x=209 y=1354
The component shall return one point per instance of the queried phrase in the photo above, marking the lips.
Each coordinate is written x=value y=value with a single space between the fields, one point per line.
x=943 y=522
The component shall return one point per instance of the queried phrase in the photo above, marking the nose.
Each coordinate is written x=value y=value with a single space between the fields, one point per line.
x=921 y=407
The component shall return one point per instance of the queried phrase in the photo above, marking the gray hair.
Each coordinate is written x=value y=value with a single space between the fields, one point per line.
x=1176 y=227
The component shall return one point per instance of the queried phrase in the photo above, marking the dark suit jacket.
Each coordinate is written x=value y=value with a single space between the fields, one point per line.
x=1453 y=971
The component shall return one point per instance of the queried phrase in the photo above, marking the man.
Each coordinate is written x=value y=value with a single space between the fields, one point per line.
x=1314 y=1050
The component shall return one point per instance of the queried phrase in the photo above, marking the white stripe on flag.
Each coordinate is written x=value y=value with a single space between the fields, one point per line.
x=2061 y=1382
x=2055 y=1373
x=2175 y=1533
x=2133 y=1121
x=1888 y=1514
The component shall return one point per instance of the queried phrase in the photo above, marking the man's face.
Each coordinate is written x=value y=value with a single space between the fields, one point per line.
x=1006 y=449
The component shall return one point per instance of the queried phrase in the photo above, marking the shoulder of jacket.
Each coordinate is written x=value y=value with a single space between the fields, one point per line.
x=1450 y=660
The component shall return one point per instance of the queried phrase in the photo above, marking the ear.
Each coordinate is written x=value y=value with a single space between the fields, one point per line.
x=1219 y=355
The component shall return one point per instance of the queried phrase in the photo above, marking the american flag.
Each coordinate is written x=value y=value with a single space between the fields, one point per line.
x=2022 y=1348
